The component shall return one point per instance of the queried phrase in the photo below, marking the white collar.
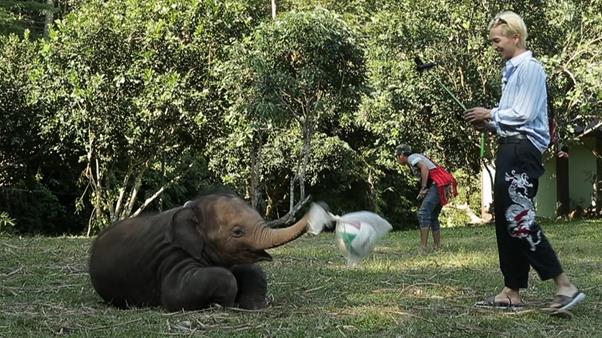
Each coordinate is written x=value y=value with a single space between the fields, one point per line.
x=520 y=58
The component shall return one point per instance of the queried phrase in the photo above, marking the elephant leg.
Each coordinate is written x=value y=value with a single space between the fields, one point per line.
x=252 y=286
x=198 y=288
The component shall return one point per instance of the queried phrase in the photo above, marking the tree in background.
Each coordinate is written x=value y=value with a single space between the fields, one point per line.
x=405 y=106
x=127 y=84
x=288 y=78
x=35 y=181
x=131 y=93
x=570 y=47
x=35 y=16
x=19 y=16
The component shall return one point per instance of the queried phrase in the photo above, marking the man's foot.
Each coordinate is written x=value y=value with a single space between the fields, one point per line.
x=506 y=298
x=493 y=303
x=562 y=302
x=567 y=290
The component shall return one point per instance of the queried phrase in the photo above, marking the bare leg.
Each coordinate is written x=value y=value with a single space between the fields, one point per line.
x=437 y=240
x=424 y=236
x=564 y=286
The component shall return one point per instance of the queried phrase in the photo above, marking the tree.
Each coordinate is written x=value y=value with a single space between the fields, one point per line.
x=292 y=75
x=570 y=48
x=19 y=16
x=18 y=132
x=36 y=182
x=131 y=93
x=127 y=82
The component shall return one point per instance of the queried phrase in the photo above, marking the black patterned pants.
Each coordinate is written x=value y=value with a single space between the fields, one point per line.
x=520 y=240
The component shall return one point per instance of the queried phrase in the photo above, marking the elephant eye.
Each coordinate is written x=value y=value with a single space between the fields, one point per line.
x=238 y=232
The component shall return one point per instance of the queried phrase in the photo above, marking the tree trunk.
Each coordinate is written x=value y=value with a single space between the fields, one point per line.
x=372 y=193
x=305 y=152
x=292 y=194
x=157 y=193
x=273 y=9
x=128 y=205
x=49 y=17
x=256 y=162
x=562 y=186
x=119 y=204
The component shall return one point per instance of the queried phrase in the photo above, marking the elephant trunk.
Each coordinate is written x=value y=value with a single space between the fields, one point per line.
x=271 y=238
x=315 y=219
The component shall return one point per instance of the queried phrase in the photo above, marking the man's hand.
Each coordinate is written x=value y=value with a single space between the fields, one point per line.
x=477 y=116
x=422 y=193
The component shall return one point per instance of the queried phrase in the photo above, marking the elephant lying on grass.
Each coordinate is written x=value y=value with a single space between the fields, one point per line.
x=190 y=257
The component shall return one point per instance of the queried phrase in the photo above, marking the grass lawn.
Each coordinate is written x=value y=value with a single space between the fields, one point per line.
x=45 y=291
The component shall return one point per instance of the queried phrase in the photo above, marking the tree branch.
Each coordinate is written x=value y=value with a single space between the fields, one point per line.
x=290 y=216
x=159 y=192
x=119 y=203
x=133 y=194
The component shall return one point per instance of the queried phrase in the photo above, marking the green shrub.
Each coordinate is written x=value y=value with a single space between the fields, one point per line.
x=6 y=223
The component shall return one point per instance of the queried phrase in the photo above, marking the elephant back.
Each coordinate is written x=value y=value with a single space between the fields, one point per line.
x=125 y=258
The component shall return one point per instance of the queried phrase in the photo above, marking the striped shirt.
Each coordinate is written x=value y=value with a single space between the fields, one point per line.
x=523 y=107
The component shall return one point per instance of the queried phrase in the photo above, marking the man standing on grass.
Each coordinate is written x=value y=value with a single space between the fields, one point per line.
x=521 y=124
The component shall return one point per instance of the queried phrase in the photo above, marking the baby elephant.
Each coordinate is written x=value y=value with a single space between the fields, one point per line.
x=190 y=257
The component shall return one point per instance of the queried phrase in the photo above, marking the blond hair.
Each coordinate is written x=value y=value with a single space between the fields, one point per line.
x=512 y=24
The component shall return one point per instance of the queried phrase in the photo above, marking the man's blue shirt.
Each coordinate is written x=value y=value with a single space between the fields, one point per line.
x=523 y=107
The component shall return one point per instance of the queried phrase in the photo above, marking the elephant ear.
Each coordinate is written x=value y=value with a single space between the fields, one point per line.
x=183 y=232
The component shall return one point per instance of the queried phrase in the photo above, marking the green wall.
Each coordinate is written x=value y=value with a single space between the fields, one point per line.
x=582 y=170
x=545 y=200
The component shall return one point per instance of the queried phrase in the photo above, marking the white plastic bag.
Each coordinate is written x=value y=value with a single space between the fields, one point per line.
x=318 y=219
x=357 y=233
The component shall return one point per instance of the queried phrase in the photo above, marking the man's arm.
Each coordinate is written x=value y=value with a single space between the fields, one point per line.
x=527 y=95
x=424 y=176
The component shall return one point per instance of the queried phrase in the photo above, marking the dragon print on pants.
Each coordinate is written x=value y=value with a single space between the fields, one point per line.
x=521 y=213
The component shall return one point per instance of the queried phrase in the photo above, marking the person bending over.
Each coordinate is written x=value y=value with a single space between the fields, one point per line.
x=436 y=187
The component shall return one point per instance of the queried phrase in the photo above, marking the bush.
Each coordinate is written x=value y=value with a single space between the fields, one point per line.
x=6 y=223
x=34 y=211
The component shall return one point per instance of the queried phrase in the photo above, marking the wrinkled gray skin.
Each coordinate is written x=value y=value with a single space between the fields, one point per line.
x=188 y=257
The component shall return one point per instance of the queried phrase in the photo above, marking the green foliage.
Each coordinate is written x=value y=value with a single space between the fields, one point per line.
x=132 y=105
x=285 y=81
x=36 y=211
x=20 y=144
x=36 y=183
x=7 y=223
x=410 y=107
x=335 y=173
x=573 y=63
x=20 y=16
x=127 y=83
x=304 y=64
